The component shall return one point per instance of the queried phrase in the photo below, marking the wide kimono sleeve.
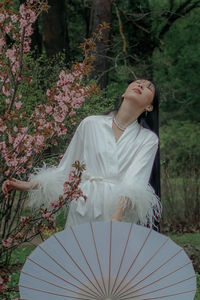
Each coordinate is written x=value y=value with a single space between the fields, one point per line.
x=135 y=194
x=51 y=179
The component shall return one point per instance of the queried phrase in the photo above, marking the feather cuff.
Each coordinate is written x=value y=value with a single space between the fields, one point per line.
x=51 y=180
x=141 y=205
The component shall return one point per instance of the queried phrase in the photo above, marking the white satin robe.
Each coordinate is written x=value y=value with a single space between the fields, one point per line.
x=114 y=171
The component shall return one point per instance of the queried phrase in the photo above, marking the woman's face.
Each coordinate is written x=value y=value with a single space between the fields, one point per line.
x=140 y=91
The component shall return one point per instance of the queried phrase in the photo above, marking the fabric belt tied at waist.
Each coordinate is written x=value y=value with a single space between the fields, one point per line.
x=86 y=176
x=81 y=206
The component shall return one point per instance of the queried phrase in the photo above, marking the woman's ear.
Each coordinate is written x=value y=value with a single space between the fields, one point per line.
x=149 y=108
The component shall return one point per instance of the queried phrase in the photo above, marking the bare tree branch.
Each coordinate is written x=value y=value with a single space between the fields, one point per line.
x=16 y=83
x=182 y=10
x=120 y=28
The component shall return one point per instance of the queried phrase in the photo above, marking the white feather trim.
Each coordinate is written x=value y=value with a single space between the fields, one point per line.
x=51 y=180
x=141 y=205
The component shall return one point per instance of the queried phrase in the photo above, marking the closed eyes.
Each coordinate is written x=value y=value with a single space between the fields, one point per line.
x=148 y=85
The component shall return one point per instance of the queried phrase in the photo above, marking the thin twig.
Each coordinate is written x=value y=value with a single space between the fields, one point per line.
x=16 y=83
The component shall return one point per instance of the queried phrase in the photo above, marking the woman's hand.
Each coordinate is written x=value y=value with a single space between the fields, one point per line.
x=14 y=184
x=123 y=204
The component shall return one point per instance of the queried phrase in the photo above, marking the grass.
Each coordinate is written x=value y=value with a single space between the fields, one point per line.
x=17 y=260
x=19 y=256
x=197 y=297
x=194 y=240
x=186 y=238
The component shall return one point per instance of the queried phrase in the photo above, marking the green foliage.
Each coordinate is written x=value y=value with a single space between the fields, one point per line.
x=18 y=258
x=180 y=146
x=186 y=238
x=177 y=69
x=197 y=296
x=76 y=26
x=175 y=65
x=44 y=73
x=13 y=285
x=192 y=239
x=20 y=254
x=180 y=166
x=61 y=219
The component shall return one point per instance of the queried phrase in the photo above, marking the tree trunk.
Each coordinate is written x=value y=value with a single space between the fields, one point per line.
x=36 y=39
x=101 y=12
x=137 y=27
x=54 y=28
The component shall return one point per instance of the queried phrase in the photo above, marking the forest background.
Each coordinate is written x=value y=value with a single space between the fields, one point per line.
x=155 y=39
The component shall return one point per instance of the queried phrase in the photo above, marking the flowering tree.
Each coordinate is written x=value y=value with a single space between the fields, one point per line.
x=23 y=136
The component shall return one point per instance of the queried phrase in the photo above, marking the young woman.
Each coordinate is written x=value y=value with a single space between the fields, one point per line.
x=119 y=154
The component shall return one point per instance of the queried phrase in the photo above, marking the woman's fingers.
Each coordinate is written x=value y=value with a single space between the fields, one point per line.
x=12 y=183
x=5 y=186
x=8 y=185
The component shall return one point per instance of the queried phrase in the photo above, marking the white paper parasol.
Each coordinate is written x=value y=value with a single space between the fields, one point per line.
x=108 y=261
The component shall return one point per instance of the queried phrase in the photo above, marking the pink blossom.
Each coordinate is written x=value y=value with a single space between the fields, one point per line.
x=30 y=165
x=18 y=105
x=29 y=153
x=6 y=91
x=47 y=215
x=3 y=128
x=2 y=146
x=7 y=101
x=26 y=46
x=2 y=18
x=20 y=170
x=7 y=243
x=24 y=129
x=29 y=30
x=58 y=118
x=15 y=67
x=24 y=219
x=19 y=235
x=52 y=219
x=6 y=29
x=12 y=162
x=2 y=42
x=48 y=109
x=23 y=159
x=28 y=16
x=14 y=18
x=11 y=54
x=48 y=92
x=15 y=128
x=63 y=131
x=19 y=138
x=54 y=204
x=66 y=97
x=10 y=138
x=71 y=176
x=39 y=140
x=7 y=172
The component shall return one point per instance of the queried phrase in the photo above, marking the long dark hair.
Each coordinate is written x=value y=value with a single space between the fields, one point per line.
x=151 y=121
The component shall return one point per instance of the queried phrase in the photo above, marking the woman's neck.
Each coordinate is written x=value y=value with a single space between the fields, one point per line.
x=126 y=115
